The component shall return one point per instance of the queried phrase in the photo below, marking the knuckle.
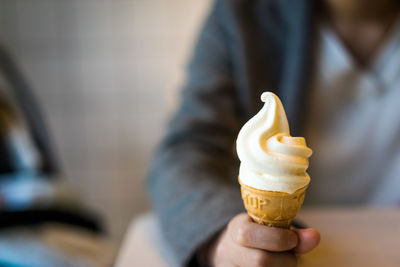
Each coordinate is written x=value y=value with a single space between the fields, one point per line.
x=231 y=224
x=238 y=219
x=230 y=229
x=243 y=235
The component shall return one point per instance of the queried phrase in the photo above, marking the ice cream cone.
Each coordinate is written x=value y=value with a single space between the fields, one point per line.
x=271 y=208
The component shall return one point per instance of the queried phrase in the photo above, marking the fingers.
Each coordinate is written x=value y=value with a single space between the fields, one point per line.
x=308 y=240
x=245 y=243
x=250 y=257
x=249 y=234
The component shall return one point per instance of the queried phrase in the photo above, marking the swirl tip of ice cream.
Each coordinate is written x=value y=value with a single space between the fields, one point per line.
x=271 y=159
x=266 y=95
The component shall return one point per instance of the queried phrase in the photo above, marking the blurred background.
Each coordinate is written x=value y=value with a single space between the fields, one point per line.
x=106 y=73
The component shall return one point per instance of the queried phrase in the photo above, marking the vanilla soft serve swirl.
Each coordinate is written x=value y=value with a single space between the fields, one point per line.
x=270 y=158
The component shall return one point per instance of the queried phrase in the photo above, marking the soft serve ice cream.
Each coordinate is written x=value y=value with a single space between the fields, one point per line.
x=270 y=158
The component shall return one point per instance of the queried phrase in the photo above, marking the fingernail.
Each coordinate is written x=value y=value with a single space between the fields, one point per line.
x=292 y=240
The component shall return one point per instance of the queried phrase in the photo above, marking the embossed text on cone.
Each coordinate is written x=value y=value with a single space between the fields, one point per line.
x=271 y=208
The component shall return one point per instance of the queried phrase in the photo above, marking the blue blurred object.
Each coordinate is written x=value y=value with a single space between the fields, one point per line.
x=23 y=249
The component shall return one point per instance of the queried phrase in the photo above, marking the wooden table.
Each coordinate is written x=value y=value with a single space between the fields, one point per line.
x=354 y=237
x=366 y=237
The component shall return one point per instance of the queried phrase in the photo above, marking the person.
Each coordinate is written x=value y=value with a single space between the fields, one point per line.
x=41 y=216
x=335 y=65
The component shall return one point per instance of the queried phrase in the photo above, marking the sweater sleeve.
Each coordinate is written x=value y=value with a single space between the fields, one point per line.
x=193 y=177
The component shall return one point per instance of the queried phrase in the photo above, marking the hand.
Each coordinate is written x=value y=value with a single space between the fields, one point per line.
x=245 y=243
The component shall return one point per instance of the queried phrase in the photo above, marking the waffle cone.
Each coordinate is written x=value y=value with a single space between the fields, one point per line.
x=271 y=208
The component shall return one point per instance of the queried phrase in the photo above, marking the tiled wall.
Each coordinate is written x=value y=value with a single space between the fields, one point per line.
x=106 y=73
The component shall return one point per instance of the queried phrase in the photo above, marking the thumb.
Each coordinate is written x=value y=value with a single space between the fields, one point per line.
x=308 y=240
